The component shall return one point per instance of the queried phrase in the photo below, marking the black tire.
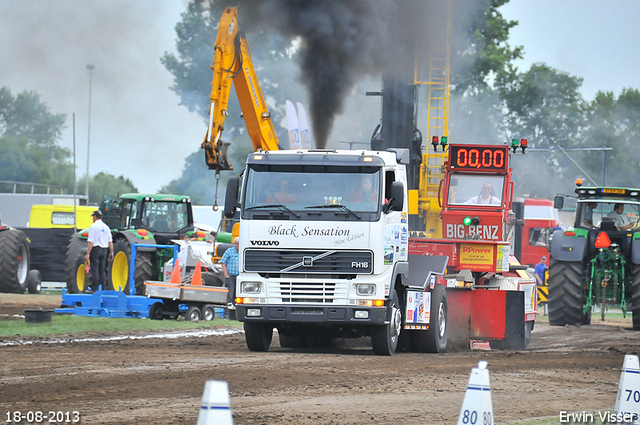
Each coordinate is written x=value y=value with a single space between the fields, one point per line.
x=635 y=296
x=14 y=261
x=384 y=338
x=156 y=310
x=434 y=340
x=118 y=269
x=34 y=282
x=528 y=328
x=193 y=314
x=208 y=312
x=566 y=300
x=258 y=336
x=76 y=277
x=213 y=279
x=291 y=339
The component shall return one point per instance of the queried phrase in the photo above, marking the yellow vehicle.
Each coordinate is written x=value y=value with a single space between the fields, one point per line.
x=232 y=63
x=60 y=216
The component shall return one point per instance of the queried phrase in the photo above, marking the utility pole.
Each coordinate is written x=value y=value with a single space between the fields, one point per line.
x=86 y=188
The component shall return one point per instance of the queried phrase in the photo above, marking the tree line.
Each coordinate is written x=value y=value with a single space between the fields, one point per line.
x=492 y=101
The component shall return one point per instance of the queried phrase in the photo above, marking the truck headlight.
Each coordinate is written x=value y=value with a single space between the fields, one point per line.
x=366 y=288
x=250 y=287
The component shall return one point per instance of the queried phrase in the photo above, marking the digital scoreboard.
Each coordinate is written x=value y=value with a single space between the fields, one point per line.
x=479 y=158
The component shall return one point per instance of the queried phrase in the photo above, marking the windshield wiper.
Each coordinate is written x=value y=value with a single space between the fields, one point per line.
x=342 y=207
x=281 y=206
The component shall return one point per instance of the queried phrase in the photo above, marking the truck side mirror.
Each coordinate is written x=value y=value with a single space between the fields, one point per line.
x=558 y=202
x=231 y=197
x=397 y=196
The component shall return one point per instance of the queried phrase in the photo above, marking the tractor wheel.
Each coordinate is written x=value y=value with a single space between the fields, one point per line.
x=34 y=282
x=77 y=278
x=566 y=301
x=258 y=336
x=434 y=340
x=14 y=261
x=384 y=338
x=118 y=269
x=635 y=296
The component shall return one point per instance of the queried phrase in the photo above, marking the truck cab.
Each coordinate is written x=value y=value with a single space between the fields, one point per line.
x=323 y=240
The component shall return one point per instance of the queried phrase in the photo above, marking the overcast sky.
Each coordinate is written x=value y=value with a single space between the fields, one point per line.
x=593 y=39
x=137 y=127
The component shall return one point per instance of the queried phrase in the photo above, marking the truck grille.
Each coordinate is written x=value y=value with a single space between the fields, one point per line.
x=308 y=261
x=307 y=292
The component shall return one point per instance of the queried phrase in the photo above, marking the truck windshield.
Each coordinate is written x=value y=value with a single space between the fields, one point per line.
x=164 y=216
x=481 y=190
x=311 y=187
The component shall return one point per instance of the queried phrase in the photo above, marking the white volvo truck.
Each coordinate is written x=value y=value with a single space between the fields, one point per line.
x=324 y=247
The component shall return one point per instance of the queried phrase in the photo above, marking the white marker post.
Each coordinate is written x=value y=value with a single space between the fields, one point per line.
x=628 y=400
x=477 y=407
x=216 y=409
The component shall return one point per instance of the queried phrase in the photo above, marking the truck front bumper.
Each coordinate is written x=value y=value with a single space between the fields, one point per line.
x=353 y=315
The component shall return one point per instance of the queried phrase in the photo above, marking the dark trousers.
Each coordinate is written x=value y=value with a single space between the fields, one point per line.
x=98 y=259
x=230 y=283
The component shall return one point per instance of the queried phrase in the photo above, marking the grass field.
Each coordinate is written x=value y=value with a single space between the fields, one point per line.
x=65 y=324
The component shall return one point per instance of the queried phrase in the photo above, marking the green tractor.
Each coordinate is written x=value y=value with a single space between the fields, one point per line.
x=597 y=261
x=133 y=218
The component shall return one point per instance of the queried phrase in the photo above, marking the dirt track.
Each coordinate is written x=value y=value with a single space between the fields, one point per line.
x=160 y=381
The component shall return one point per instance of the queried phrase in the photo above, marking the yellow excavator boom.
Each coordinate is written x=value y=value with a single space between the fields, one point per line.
x=232 y=63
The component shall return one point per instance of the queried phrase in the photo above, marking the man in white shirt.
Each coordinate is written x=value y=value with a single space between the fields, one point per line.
x=621 y=221
x=485 y=197
x=100 y=245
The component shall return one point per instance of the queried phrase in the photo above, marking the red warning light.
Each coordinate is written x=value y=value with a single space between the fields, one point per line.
x=602 y=241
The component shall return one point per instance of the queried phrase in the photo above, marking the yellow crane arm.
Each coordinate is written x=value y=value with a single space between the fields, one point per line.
x=232 y=63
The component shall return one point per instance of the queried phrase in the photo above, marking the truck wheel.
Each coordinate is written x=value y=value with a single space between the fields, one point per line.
x=258 y=336
x=434 y=340
x=14 y=261
x=193 y=314
x=635 y=296
x=118 y=269
x=34 y=282
x=565 y=294
x=291 y=339
x=384 y=338
x=208 y=312
x=156 y=310
x=528 y=327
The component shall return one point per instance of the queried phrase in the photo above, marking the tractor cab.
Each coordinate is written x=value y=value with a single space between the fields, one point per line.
x=602 y=212
x=166 y=217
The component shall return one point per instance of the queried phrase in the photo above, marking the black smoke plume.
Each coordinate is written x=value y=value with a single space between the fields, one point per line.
x=342 y=40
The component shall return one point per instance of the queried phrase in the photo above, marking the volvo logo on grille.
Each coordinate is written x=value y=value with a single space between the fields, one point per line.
x=359 y=264
x=307 y=261
x=265 y=243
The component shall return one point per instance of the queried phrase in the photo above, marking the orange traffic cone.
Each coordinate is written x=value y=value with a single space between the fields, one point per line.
x=175 y=273
x=197 y=276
